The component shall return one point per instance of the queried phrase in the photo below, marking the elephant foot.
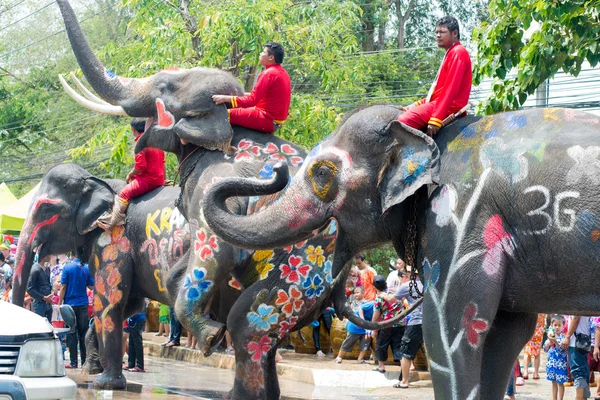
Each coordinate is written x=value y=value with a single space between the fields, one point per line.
x=92 y=367
x=110 y=382
x=214 y=336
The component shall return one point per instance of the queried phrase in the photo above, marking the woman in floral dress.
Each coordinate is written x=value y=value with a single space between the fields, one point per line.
x=533 y=348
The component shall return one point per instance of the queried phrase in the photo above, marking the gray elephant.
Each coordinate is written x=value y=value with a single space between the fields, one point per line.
x=509 y=231
x=130 y=263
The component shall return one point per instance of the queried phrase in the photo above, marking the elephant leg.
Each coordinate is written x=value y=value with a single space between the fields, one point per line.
x=92 y=364
x=509 y=333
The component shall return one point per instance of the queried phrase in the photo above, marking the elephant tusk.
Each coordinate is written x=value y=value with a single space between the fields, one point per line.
x=90 y=105
x=89 y=95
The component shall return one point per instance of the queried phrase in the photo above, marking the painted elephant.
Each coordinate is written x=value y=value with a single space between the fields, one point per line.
x=178 y=100
x=509 y=231
x=130 y=263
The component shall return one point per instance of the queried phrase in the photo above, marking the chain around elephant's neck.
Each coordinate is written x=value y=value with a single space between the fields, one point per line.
x=186 y=175
x=411 y=248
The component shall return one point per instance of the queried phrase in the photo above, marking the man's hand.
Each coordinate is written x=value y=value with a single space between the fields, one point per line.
x=129 y=178
x=374 y=334
x=596 y=353
x=220 y=99
x=565 y=343
x=406 y=108
x=432 y=130
x=48 y=299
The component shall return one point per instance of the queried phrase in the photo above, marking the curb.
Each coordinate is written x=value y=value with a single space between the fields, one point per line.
x=312 y=376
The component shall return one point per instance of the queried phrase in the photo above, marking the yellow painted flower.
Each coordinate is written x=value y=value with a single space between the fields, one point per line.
x=315 y=255
x=262 y=264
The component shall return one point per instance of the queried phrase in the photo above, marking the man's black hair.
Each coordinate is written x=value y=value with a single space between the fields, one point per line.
x=361 y=256
x=2 y=259
x=276 y=50
x=451 y=23
x=139 y=124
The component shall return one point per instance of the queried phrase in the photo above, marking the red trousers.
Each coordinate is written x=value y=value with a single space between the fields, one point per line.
x=418 y=117
x=137 y=187
x=251 y=118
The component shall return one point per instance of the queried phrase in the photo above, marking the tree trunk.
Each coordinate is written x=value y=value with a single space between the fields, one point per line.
x=402 y=18
x=368 y=24
x=251 y=78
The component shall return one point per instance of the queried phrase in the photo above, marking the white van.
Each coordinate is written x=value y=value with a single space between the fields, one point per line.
x=31 y=355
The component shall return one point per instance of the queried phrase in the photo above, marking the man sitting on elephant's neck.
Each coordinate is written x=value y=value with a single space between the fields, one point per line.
x=449 y=93
x=268 y=105
x=148 y=173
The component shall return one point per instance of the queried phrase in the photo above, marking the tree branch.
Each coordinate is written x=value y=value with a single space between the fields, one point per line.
x=18 y=79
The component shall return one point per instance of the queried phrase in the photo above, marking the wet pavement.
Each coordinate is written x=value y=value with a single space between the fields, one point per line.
x=169 y=379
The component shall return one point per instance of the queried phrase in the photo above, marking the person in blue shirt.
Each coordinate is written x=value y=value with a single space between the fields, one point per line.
x=74 y=280
x=135 y=326
x=363 y=309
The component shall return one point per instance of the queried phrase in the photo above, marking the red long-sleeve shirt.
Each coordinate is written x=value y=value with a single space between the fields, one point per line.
x=453 y=86
x=151 y=163
x=272 y=93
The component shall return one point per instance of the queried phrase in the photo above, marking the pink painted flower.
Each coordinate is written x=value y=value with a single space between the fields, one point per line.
x=257 y=349
x=498 y=243
x=292 y=272
x=205 y=245
x=286 y=326
x=472 y=325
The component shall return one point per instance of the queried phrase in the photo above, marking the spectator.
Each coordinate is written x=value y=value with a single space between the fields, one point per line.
x=353 y=281
x=393 y=280
x=4 y=250
x=386 y=307
x=57 y=320
x=533 y=347
x=7 y=295
x=327 y=318
x=556 y=365
x=175 y=337
x=366 y=276
x=229 y=343
x=595 y=361
x=135 y=359
x=364 y=309
x=40 y=289
x=163 y=321
x=575 y=341
x=6 y=266
x=413 y=334
x=75 y=278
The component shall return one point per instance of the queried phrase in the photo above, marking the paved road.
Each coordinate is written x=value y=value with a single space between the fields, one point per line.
x=168 y=379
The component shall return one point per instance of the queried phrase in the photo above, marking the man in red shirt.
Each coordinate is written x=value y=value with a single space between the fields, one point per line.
x=269 y=103
x=148 y=173
x=450 y=90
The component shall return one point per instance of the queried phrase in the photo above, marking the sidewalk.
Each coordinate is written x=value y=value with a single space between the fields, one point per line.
x=305 y=368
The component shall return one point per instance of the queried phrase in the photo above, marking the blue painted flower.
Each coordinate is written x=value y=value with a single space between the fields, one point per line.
x=432 y=273
x=263 y=318
x=195 y=284
x=413 y=166
x=507 y=158
x=327 y=271
x=515 y=121
x=266 y=171
x=314 y=286
x=110 y=74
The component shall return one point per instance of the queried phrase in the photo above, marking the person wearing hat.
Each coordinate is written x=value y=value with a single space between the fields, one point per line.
x=4 y=251
x=386 y=307
x=6 y=267
x=413 y=334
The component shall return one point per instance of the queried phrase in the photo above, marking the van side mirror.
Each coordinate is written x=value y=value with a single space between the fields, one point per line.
x=68 y=315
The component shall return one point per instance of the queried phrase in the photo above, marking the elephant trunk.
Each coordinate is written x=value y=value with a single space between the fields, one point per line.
x=277 y=226
x=110 y=88
x=23 y=264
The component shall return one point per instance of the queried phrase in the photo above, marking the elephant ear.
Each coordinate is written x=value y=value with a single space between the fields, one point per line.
x=97 y=199
x=163 y=139
x=210 y=130
x=414 y=161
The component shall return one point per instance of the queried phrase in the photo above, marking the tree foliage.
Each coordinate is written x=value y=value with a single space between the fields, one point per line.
x=565 y=35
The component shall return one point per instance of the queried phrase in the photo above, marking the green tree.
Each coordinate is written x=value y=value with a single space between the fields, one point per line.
x=565 y=35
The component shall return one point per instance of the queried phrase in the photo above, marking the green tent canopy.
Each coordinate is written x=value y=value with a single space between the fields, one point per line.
x=13 y=215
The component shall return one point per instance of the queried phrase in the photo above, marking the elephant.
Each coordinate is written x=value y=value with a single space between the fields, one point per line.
x=500 y=214
x=129 y=264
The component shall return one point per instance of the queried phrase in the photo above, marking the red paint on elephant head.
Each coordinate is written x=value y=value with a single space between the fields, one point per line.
x=165 y=118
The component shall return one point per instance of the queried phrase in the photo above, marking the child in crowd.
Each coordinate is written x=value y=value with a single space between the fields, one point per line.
x=364 y=309
x=556 y=366
x=533 y=347
x=164 y=323
x=57 y=320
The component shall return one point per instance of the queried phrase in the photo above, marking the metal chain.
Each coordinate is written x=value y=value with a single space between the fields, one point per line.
x=184 y=179
x=411 y=252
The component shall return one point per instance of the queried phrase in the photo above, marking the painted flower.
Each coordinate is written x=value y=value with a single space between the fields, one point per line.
x=252 y=377
x=262 y=264
x=118 y=244
x=507 y=158
x=315 y=255
x=314 y=286
x=267 y=171
x=286 y=326
x=114 y=296
x=589 y=224
x=98 y=324
x=99 y=284
x=107 y=324
x=472 y=325
x=114 y=276
x=292 y=272
x=195 y=284
x=327 y=271
x=286 y=152
x=290 y=301
x=257 y=349
x=444 y=206
x=413 y=165
x=586 y=165
x=204 y=245
x=98 y=306
x=432 y=273
x=263 y=318
x=498 y=243
x=235 y=284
